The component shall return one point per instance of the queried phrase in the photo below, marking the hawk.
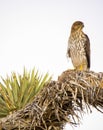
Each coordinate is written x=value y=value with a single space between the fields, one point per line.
x=79 y=47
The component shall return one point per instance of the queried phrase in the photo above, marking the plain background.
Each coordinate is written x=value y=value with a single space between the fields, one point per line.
x=34 y=33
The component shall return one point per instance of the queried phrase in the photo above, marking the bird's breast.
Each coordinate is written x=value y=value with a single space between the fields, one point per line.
x=77 y=51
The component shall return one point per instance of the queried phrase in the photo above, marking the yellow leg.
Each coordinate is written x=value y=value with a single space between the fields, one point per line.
x=79 y=67
x=82 y=67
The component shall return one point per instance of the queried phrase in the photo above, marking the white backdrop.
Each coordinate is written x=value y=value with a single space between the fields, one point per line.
x=34 y=33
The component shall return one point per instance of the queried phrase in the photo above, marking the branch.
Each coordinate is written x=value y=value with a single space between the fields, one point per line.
x=59 y=102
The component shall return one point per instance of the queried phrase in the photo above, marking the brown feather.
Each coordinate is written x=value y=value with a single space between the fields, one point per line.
x=87 y=49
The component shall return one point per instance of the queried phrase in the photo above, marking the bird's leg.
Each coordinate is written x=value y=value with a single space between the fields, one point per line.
x=82 y=67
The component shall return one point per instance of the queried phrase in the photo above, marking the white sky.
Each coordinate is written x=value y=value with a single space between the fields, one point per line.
x=34 y=33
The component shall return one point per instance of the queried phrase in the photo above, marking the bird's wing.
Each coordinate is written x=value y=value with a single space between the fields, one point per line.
x=87 y=49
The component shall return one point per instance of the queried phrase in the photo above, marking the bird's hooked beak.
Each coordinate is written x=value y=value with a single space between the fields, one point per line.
x=83 y=25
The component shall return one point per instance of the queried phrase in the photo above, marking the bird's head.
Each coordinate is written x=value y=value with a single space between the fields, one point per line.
x=78 y=25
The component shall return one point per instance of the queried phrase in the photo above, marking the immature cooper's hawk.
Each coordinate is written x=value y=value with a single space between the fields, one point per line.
x=79 y=47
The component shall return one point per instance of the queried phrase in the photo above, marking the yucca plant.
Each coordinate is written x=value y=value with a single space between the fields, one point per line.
x=18 y=90
x=60 y=102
